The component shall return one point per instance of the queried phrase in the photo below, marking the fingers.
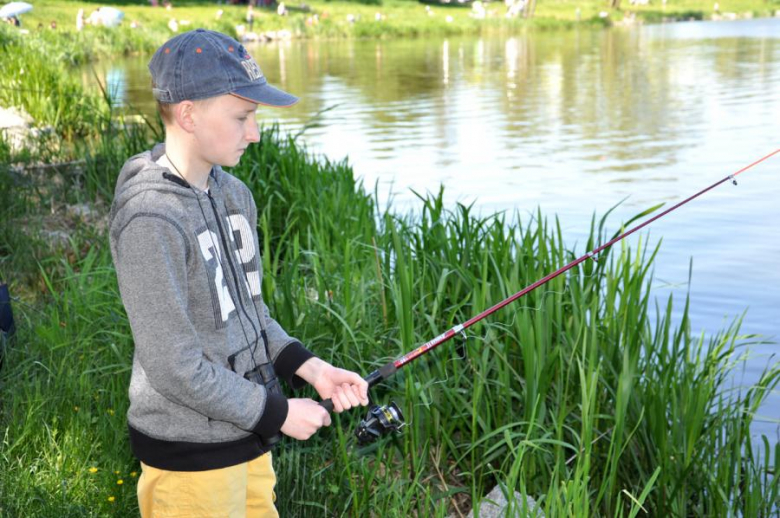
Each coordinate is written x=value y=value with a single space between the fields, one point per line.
x=325 y=416
x=344 y=397
x=338 y=401
x=360 y=386
x=318 y=416
x=361 y=393
x=357 y=386
x=345 y=389
x=361 y=390
x=350 y=395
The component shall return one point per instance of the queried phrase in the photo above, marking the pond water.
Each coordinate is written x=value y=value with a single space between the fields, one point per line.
x=574 y=123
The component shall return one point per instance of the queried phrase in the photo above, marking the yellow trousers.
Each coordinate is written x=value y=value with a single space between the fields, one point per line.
x=242 y=491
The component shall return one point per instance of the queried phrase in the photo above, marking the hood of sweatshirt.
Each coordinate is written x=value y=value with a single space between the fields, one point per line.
x=141 y=173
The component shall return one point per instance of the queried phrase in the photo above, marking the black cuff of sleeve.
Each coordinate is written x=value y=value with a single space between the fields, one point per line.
x=288 y=361
x=274 y=415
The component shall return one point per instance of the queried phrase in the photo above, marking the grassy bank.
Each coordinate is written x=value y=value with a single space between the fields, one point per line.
x=585 y=394
x=338 y=19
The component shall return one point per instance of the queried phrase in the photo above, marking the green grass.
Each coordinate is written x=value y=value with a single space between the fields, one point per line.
x=585 y=394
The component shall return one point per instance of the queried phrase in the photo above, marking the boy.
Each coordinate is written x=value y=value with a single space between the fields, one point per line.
x=205 y=406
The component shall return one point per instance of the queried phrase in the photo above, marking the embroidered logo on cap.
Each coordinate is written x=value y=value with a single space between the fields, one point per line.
x=252 y=69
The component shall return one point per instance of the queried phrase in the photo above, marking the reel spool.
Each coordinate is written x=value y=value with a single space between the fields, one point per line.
x=380 y=420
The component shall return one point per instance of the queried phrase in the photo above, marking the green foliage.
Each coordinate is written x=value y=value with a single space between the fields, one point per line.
x=67 y=376
x=38 y=84
x=5 y=149
x=580 y=394
x=584 y=394
x=659 y=16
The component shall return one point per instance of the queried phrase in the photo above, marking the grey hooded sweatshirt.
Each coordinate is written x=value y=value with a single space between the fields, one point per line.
x=189 y=273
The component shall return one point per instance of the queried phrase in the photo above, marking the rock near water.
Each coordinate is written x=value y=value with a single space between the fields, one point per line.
x=17 y=128
x=495 y=505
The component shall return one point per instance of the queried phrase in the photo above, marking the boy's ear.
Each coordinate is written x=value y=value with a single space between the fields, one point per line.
x=184 y=115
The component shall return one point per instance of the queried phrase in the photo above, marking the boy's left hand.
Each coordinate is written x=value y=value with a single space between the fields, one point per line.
x=345 y=388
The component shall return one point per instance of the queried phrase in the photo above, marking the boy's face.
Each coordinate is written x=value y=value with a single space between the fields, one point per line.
x=224 y=127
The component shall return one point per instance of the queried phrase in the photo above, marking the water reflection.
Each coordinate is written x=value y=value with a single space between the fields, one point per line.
x=615 y=95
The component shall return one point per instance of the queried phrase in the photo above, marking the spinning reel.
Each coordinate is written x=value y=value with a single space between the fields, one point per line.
x=380 y=421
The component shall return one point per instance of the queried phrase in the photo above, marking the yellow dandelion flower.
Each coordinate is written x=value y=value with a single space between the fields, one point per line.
x=110 y=411
x=116 y=472
x=120 y=482
x=133 y=474
x=93 y=469
x=111 y=498
x=75 y=409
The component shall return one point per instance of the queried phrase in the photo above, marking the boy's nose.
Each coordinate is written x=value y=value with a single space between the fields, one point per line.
x=253 y=133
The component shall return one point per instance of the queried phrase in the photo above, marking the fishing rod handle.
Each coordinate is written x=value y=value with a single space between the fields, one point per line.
x=375 y=377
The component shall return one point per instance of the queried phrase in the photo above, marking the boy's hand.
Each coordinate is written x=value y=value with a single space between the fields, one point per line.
x=304 y=418
x=345 y=388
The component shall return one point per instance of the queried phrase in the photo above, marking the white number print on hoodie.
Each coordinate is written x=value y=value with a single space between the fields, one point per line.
x=244 y=252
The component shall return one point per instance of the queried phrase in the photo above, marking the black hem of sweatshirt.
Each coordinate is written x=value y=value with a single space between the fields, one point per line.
x=289 y=360
x=194 y=456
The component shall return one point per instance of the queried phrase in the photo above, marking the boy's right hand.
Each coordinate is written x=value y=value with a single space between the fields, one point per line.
x=304 y=418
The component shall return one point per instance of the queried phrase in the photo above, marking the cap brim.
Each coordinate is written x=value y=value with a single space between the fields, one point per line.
x=266 y=95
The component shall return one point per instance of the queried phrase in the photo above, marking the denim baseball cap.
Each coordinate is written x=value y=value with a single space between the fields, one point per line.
x=200 y=64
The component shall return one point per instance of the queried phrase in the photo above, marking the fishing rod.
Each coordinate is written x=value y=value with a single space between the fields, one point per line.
x=382 y=420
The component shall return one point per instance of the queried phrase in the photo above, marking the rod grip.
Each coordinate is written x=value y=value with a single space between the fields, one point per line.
x=375 y=377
